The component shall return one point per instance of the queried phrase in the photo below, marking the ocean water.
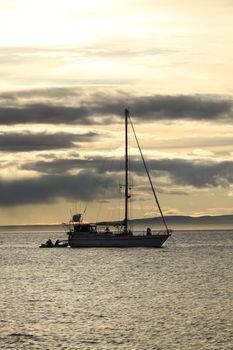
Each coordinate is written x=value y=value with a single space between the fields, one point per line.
x=174 y=298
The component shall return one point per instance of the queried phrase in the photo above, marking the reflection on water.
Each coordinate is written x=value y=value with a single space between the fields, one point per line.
x=177 y=297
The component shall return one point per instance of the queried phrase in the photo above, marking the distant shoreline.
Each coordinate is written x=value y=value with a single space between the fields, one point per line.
x=177 y=223
x=52 y=232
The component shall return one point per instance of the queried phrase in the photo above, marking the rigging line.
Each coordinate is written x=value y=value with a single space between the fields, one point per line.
x=148 y=174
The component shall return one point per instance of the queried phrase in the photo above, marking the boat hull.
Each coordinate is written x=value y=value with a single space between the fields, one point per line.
x=153 y=241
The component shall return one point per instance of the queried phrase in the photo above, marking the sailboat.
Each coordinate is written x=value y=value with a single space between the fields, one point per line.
x=82 y=234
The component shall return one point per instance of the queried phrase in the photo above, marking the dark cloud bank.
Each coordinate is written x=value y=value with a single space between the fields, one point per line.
x=106 y=106
x=199 y=174
x=26 y=141
x=46 y=189
x=98 y=182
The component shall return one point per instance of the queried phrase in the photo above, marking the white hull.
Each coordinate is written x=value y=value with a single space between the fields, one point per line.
x=102 y=241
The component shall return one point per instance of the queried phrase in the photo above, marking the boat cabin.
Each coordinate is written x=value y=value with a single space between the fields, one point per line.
x=84 y=228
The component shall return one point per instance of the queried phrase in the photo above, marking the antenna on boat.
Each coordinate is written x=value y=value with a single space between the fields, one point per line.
x=84 y=211
x=148 y=174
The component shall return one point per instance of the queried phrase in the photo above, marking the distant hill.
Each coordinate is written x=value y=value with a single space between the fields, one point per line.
x=173 y=222
x=180 y=222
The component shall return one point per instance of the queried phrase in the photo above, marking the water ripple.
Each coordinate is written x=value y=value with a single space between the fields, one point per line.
x=177 y=298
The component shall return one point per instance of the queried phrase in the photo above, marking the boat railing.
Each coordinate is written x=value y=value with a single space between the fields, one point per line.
x=153 y=232
x=107 y=230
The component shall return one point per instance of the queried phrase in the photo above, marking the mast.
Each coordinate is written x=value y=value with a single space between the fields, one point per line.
x=126 y=172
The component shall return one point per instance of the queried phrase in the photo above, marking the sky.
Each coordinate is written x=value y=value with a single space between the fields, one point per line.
x=69 y=69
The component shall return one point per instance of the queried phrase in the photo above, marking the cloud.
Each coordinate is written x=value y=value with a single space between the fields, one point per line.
x=60 y=106
x=49 y=188
x=100 y=165
x=199 y=174
x=158 y=107
x=196 y=142
x=44 y=113
x=192 y=107
x=96 y=182
x=48 y=94
x=26 y=141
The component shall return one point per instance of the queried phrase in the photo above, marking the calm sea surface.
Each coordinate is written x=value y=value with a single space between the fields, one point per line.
x=178 y=297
